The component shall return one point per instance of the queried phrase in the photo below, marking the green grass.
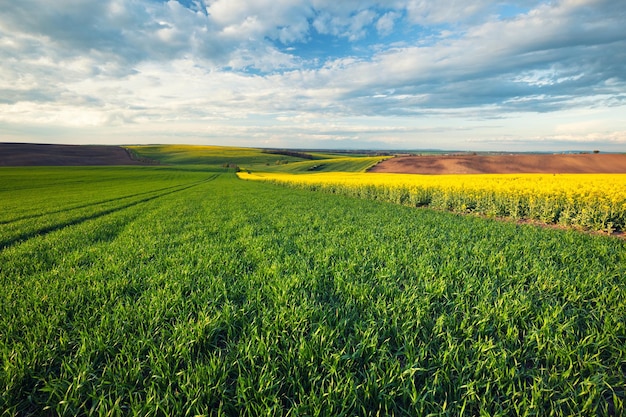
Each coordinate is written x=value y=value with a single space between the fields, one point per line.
x=213 y=296
x=42 y=199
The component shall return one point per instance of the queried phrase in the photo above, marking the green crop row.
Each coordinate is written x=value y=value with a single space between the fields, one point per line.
x=38 y=191
x=235 y=297
x=54 y=199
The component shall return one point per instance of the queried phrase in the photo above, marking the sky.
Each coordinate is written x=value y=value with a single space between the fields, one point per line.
x=518 y=75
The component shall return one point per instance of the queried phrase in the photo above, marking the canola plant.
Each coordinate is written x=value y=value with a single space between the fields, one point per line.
x=590 y=201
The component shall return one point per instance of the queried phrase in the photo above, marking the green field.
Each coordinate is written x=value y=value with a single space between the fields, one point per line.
x=255 y=159
x=181 y=290
x=208 y=155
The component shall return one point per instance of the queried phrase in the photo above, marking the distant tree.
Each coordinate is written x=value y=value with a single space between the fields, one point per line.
x=596 y=151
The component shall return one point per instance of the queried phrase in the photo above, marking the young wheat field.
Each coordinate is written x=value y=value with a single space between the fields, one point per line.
x=183 y=290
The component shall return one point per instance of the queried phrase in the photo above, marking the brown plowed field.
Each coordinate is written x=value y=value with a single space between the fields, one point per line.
x=31 y=154
x=505 y=164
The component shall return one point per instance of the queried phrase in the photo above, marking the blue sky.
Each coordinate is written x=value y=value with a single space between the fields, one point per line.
x=525 y=75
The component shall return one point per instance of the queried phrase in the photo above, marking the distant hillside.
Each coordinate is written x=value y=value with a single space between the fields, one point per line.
x=33 y=154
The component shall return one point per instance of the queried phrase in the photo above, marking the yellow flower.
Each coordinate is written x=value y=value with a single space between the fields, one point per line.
x=587 y=200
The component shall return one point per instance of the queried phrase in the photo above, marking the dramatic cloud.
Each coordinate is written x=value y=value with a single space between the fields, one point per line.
x=304 y=73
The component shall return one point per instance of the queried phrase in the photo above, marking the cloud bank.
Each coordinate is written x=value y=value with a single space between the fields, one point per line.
x=520 y=75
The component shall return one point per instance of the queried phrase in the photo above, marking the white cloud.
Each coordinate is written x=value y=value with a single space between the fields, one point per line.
x=130 y=65
x=353 y=27
x=386 y=22
x=283 y=20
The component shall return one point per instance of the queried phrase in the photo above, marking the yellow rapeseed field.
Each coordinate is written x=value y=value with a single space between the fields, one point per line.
x=594 y=201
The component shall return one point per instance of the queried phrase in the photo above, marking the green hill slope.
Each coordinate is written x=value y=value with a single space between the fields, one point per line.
x=254 y=159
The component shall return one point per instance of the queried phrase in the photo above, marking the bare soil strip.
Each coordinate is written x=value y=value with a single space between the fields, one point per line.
x=31 y=154
x=505 y=164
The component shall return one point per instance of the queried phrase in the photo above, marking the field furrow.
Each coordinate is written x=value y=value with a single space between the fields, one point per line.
x=52 y=218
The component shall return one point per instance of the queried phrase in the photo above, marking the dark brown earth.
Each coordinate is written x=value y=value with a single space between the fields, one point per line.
x=505 y=164
x=31 y=154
